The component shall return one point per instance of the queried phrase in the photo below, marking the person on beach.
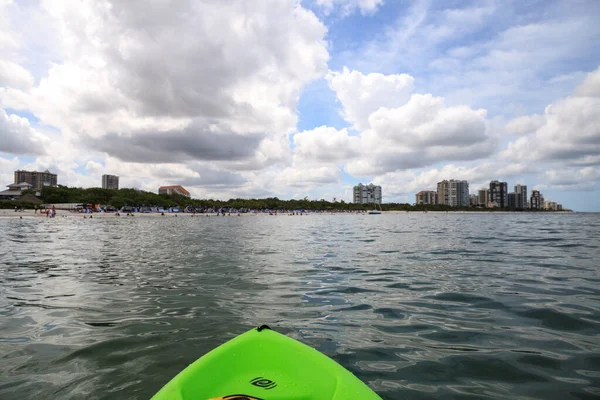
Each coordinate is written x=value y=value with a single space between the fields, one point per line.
x=35 y=209
x=47 y=212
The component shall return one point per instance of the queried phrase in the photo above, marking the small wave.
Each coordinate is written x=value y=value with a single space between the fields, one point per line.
x=557 y=320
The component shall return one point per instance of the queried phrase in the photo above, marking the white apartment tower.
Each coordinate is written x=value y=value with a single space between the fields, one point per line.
x=367 y=194
x=453 y=193
x=110 y=182
x=426 y=197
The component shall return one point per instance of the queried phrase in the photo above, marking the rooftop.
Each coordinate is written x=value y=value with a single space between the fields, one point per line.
x=38 y=172
x=10 y=193
x=20 y=186
x=179 y=187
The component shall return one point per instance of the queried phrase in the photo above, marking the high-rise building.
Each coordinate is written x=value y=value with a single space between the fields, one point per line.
x=482 y=197
x=499 y=194
x=442 y=192
x=367 y=194
x=536 y=201
x=459 y=193
x=110 y=182
x=426 y=197
x=514 y=200
x=521 y=190
x=36 y=179
x=175 y=189
x=454 y=193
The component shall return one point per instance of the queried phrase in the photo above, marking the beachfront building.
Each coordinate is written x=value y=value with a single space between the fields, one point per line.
x=36 y=179
x=14 y=191
x=367 y=194
x=110 y=182
x=536 y=201
x=442 y=192
x=459 y=193
x=482 y=197
x=514 y=200
x=454 y=193
x=521 y=190
x=498 y=196
x=552 y=206
x=175 y=189
x=426 y=197
x=473 y=200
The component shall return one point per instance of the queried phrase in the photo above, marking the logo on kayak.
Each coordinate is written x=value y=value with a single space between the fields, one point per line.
x=236 y=397
x=263 y=383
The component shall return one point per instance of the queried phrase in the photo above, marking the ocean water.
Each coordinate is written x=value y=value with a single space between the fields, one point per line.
x=419 y=306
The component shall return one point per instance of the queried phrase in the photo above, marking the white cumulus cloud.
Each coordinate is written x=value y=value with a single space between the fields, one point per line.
x=18 y=137
x=212 y=78
x=361 y=95
x=15 y=76
x=524 y=125
x=400 y=131
x=325 y=145
x=585 y=178
x=568 y=131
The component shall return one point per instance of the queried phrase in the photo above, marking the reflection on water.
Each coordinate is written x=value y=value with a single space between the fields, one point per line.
x=417 y=305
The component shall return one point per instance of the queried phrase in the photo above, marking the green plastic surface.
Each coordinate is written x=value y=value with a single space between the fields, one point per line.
x=265 y=365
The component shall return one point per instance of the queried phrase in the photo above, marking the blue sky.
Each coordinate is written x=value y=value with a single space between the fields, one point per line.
x=294 y=99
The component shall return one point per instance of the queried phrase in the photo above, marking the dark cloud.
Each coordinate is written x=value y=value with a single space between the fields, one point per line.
x=215 y=178
x=577 y=154
x=96 y=103
x=191 y=143
x=195 y=142
x=388 y=161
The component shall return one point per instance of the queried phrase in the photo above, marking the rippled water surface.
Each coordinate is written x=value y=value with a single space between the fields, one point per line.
x=417 y=305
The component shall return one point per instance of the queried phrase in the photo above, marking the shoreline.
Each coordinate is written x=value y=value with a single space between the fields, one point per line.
x=30 y=214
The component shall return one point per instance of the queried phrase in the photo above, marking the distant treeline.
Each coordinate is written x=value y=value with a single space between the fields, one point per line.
x=132 y=197
x=11 y=204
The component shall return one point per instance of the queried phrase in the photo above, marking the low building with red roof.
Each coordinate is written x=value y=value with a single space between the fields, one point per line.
x=175 y=189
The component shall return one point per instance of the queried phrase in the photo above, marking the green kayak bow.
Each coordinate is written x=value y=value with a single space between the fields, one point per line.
x=266 y=365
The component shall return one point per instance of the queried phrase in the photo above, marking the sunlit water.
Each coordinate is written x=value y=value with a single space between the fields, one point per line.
x=417 y=305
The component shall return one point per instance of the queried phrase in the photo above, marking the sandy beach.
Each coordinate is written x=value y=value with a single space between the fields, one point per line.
x=68 y=214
